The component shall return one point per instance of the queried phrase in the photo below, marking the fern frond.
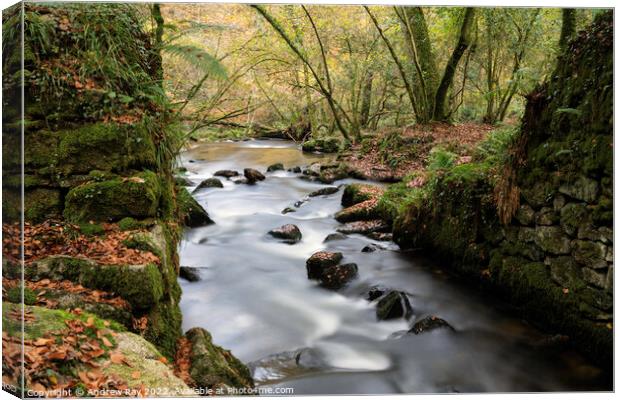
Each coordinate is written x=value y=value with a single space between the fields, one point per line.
x=197 y=57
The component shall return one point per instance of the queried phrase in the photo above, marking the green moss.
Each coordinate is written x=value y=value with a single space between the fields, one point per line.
x=140 y=285
x=14 y=295
x=164 y=327
x=105 y=147
x=89 y=229
x=212 y=366
x=46 y=320
x=128 y=224
x=322 y=145
x=115 y=199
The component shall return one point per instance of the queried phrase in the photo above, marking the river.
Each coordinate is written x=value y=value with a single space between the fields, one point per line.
x=255 y=299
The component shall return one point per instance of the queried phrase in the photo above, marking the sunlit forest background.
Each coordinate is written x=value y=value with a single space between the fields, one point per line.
x=238 y=72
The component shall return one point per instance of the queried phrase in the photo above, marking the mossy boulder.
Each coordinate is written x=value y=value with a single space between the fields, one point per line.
x=321 y=145
x=137 y=196
x=105 y=147
x=209 y=183
x=214 y=367
x=146 y=368
x=356 y=193
x=39 y=204
x=140 y=285
x=364 y=211
x=192 y=213
x=275 y=167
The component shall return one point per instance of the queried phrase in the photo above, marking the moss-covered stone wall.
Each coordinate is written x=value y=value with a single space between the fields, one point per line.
x=553 y=259
x=93 y=149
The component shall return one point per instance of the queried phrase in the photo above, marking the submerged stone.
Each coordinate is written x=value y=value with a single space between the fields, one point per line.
x=275 y=167
x=334 y=236
x=324 y=191
x=190 y=274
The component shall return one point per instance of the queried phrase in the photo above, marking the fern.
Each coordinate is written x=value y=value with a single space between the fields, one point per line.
x=196 y=57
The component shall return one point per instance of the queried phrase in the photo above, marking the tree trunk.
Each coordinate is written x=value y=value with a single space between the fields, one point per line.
x=366 y=99
x=448 y=76
x=419 y=48
x=568 y=27
x=158 y=69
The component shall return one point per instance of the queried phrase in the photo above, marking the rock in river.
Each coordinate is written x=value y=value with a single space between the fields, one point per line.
x=193 y=213
x=288 y=210
x=336 y=276
x=289 y=232
x=364 y=227
x=324 y=191
x=334 y=236
x=253 y=175
x=371 y=248
x=190 y=274
x=275 y=167
x=430 y=323
x=393 y=305
x=213 y=366
x=226 y=173
x=319 y=261
x=209 y=183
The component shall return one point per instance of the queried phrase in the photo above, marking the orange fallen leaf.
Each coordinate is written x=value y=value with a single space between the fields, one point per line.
x=117 y=358
x=135 y=374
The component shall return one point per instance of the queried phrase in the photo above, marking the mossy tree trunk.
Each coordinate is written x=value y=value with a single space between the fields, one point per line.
x=569 y=26
x=465 y=39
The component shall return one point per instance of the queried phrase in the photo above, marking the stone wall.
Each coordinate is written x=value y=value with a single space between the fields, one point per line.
x=91 y=154
x=553 y=259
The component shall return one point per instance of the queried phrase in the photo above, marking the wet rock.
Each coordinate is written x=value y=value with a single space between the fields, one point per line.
x=376 y=292
x=321 y=260
x=337 y=276
x=313 y=170
x=430 y=323
x=334 y=236
x=253 y=175
x=370 y=248
x=213 y=366
x=331 y=174
x=275 y=167
x=394 y=305
x=190 y=274
x=288 y=210
x=299 y=203
x=289 y=233
x=364 y=227
x=366 y=210
x=296 y=169
x=324 y=191
x=308 y=178
x=240 y=181
x=182 y=181
x=381 y=236
x=226 y=173
x=320 y=145
x=287 y=363
x=192 y=212
x=356 y=193
x=209 y=183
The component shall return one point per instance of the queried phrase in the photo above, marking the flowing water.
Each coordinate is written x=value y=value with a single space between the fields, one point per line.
x=255 y=299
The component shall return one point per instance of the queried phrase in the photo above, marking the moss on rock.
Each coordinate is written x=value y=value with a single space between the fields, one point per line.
x=114 y=199
x=213 y=366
